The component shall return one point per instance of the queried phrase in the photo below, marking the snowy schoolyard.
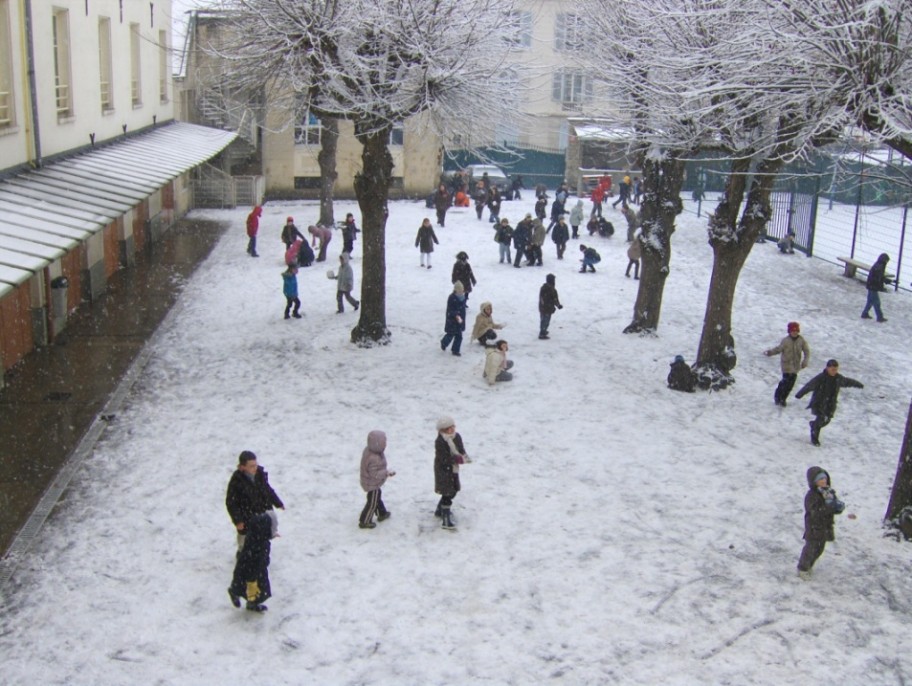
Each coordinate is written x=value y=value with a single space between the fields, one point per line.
x=610 y=531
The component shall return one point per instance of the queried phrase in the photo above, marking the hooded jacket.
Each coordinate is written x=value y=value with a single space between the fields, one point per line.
x=495 y=363
x=253 y=221
x=818 y=516
x=795 y=354
x=484 y=321
x=548 y=300
x=824 y=391
x=462 y=271
x=455 y=313
x=538 y=233
x=345 y=277
x=877 y=276
x=373 y=462
x=576 y=214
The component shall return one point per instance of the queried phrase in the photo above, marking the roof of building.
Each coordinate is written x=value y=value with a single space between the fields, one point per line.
x=47 y=212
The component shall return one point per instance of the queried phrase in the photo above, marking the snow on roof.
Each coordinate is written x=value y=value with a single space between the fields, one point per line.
x=46 y=212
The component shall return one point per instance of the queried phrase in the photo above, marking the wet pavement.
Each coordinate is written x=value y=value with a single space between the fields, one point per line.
x=51 y=398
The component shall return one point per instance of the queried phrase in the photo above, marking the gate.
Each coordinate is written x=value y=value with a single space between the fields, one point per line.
x=794 y=209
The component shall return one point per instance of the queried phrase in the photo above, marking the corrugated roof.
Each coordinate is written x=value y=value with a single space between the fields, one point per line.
x=47 y=212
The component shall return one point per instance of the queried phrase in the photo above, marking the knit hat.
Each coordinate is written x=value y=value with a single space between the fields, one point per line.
x=445 y=422
x=528 y=216
x=679 y=358
x=550 y=279
x=832 y=363
x=458 y=287
x=822 y=475
x=289 y=220
x=793 y=326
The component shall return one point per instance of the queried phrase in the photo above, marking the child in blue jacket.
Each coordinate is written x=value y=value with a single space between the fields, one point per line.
x=290 y=289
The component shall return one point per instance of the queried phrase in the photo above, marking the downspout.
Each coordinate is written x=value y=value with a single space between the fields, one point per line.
x=33 y=91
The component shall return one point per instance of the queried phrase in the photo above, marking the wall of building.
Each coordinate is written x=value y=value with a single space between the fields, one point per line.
x=84 y=116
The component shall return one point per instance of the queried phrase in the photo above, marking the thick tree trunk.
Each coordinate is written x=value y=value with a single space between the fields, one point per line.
x=902 y=485
x=716 y=353
x=329 y=143
x=661 y=204
x=372 y=189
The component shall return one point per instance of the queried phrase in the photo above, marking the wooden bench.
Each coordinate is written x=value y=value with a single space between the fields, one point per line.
x=853 y=266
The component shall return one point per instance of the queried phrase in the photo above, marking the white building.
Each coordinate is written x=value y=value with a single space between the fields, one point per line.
x=92 y=166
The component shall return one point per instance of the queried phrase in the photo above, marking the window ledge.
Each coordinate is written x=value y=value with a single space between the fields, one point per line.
x=66 y=119
x=137 y=105
x=108 y=112
x=8 y=130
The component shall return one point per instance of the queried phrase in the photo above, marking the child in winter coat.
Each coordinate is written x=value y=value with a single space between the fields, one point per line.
x=374 y=473
x=541 y=207
x=576 y=217
x=504 y=236
x=786 y=244
x=877 y=278
x=548 y=302
x=455 y=319
x=560 y=234
x=253 y=227
x=449 y=453
x=345 y=283
x=536 y=242
x=290 y=233
x=481 y=198
x=251 y=570
x=681 y=376
x=462 y=271
x=824 y=389
x=795 y=355
x=632 y=222
x=349 y=233
x=485 y=326
x=497 y=364
x=425 y=241
x=634 y=253
x=290 y=289
x=590 y=259
x=322 y=234
x=291 y=255
x=820 y=507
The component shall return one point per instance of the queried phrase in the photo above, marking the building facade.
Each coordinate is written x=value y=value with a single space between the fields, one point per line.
x=92 y=166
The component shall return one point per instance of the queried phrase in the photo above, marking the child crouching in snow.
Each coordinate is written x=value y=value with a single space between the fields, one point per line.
x=374 y=473
x=497 y=364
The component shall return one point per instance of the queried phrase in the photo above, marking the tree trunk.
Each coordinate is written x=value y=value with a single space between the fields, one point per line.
x=329 y=143
x=661 y=204
x=372 y=190
x=731 y=246
x=902 y=485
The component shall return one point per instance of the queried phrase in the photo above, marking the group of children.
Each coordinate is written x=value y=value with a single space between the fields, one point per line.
x=299 y=254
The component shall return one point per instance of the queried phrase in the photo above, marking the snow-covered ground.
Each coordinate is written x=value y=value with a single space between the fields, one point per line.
x=610 y=530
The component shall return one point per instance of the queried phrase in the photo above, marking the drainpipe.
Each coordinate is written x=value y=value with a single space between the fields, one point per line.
x=33 y=90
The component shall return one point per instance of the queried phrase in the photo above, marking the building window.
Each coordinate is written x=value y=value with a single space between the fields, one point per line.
x=63 y=83
x=397 y=135
x=135 y=66
x=7 y=104
x=519 y=32
x=106 y=71
x=307 y=130
x=163 y=66
x=568 y=32
x=571 y=88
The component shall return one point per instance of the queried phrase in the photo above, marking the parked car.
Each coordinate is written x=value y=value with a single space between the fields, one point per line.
x=495 y=174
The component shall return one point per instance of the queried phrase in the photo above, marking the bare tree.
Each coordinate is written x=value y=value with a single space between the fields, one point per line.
x=377 y=64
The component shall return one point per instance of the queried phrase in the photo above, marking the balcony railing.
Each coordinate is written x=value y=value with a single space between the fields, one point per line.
x=63 y=99
x=6 y=115
x=106 y=103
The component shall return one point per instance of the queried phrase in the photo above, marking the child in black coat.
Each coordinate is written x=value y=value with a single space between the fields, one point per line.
x=820 y=507
x=449 y=453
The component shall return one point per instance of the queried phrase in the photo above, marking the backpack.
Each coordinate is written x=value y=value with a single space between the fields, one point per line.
x=594 y=256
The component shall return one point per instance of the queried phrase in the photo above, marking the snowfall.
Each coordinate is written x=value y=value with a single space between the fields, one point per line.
x=610 y=531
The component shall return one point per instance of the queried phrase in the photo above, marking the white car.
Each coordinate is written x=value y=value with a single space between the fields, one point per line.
x=495 y=174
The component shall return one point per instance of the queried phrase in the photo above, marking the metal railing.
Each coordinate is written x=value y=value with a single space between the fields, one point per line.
x=63 y=99
x=106 y=103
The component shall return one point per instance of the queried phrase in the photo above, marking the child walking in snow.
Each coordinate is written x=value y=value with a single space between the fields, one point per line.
x=345 y=283
x=795 y=355
x=425 y=241
x=290 y=289
x=374 y=473
x=820 y=507
x=449 y=453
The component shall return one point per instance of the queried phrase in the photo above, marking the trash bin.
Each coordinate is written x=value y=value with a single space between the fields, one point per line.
x=59 y=289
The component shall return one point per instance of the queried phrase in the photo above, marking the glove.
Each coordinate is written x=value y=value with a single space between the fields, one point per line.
x=467 y=458
x=458 y=459
x=560 y=307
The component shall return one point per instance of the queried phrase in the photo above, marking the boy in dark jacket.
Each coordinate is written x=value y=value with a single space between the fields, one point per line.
x=548 y=302
x=249 y=494
x=462 y=271
x=349 y=233
x=824 y=389
x=290 y=233
x=820 y=507
x=449 y=453
x=454 y=324
x=590 y=259
x=876 y=279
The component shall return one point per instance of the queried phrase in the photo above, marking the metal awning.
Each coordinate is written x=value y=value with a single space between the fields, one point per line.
x=48 y=212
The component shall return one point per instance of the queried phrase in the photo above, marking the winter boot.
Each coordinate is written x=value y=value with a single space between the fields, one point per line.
x=256 y=607
x=815 y=434
x=446 y=519
x=235 y=599
x=383 y=516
